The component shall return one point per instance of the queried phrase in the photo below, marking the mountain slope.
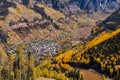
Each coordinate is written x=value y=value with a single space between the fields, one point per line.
x=112 y=22
x=102 y=37
x=21 y=23
x=101 y=53
x=102 y=56
x=14 y=13
x=28 y=20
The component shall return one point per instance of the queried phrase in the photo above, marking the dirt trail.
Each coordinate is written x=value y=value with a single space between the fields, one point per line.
x=91 y=75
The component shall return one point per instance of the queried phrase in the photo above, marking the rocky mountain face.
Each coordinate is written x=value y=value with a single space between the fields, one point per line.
x=76 y=6
x=87 y=5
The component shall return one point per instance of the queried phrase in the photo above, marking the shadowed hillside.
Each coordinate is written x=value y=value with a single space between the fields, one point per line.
x=112 y=22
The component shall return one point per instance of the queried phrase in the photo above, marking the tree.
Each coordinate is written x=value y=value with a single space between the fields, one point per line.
x=11 y=61
x=3 y=36
x=20 y=64
x=31 y=71
x=3 y=61
x=117 y=76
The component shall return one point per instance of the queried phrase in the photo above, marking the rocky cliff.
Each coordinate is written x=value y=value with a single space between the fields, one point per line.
x=77 y=5
x=87 y=5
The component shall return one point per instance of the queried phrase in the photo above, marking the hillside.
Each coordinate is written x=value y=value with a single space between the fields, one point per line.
x=110 y=23
x=59 y=39
x=100 y=53
x=101 y=38
x=22 y=23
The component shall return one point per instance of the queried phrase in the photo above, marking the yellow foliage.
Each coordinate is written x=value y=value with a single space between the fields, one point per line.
x=18 y=10
x=117 y=67
x=59 y=58
x=66 y=66
x=65 y=57
x=83 y=60
x=3 y=54
x=57 y=66
x=1 y=22
x=101 y=37
x=104 y=77
x=97 y=40
x=111 y=70
x=98 y=59
x=44 y=72
x=12 y=57
x=112 y=58
x=12 y=73
x=68 y=55
x=38 y=71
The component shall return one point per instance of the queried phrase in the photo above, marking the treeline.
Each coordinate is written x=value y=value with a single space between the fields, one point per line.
x=17 y=66
x=21 y=66
x=58 y=71
x=105 y=58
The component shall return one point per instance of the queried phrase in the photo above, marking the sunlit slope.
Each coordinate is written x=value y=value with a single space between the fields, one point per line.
x=15 y=14
x=101 y=38
x=110 y=30
x=77 y=52
x=22 y=23
x=23 y=14
x=101 y=53
x=55 y=15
